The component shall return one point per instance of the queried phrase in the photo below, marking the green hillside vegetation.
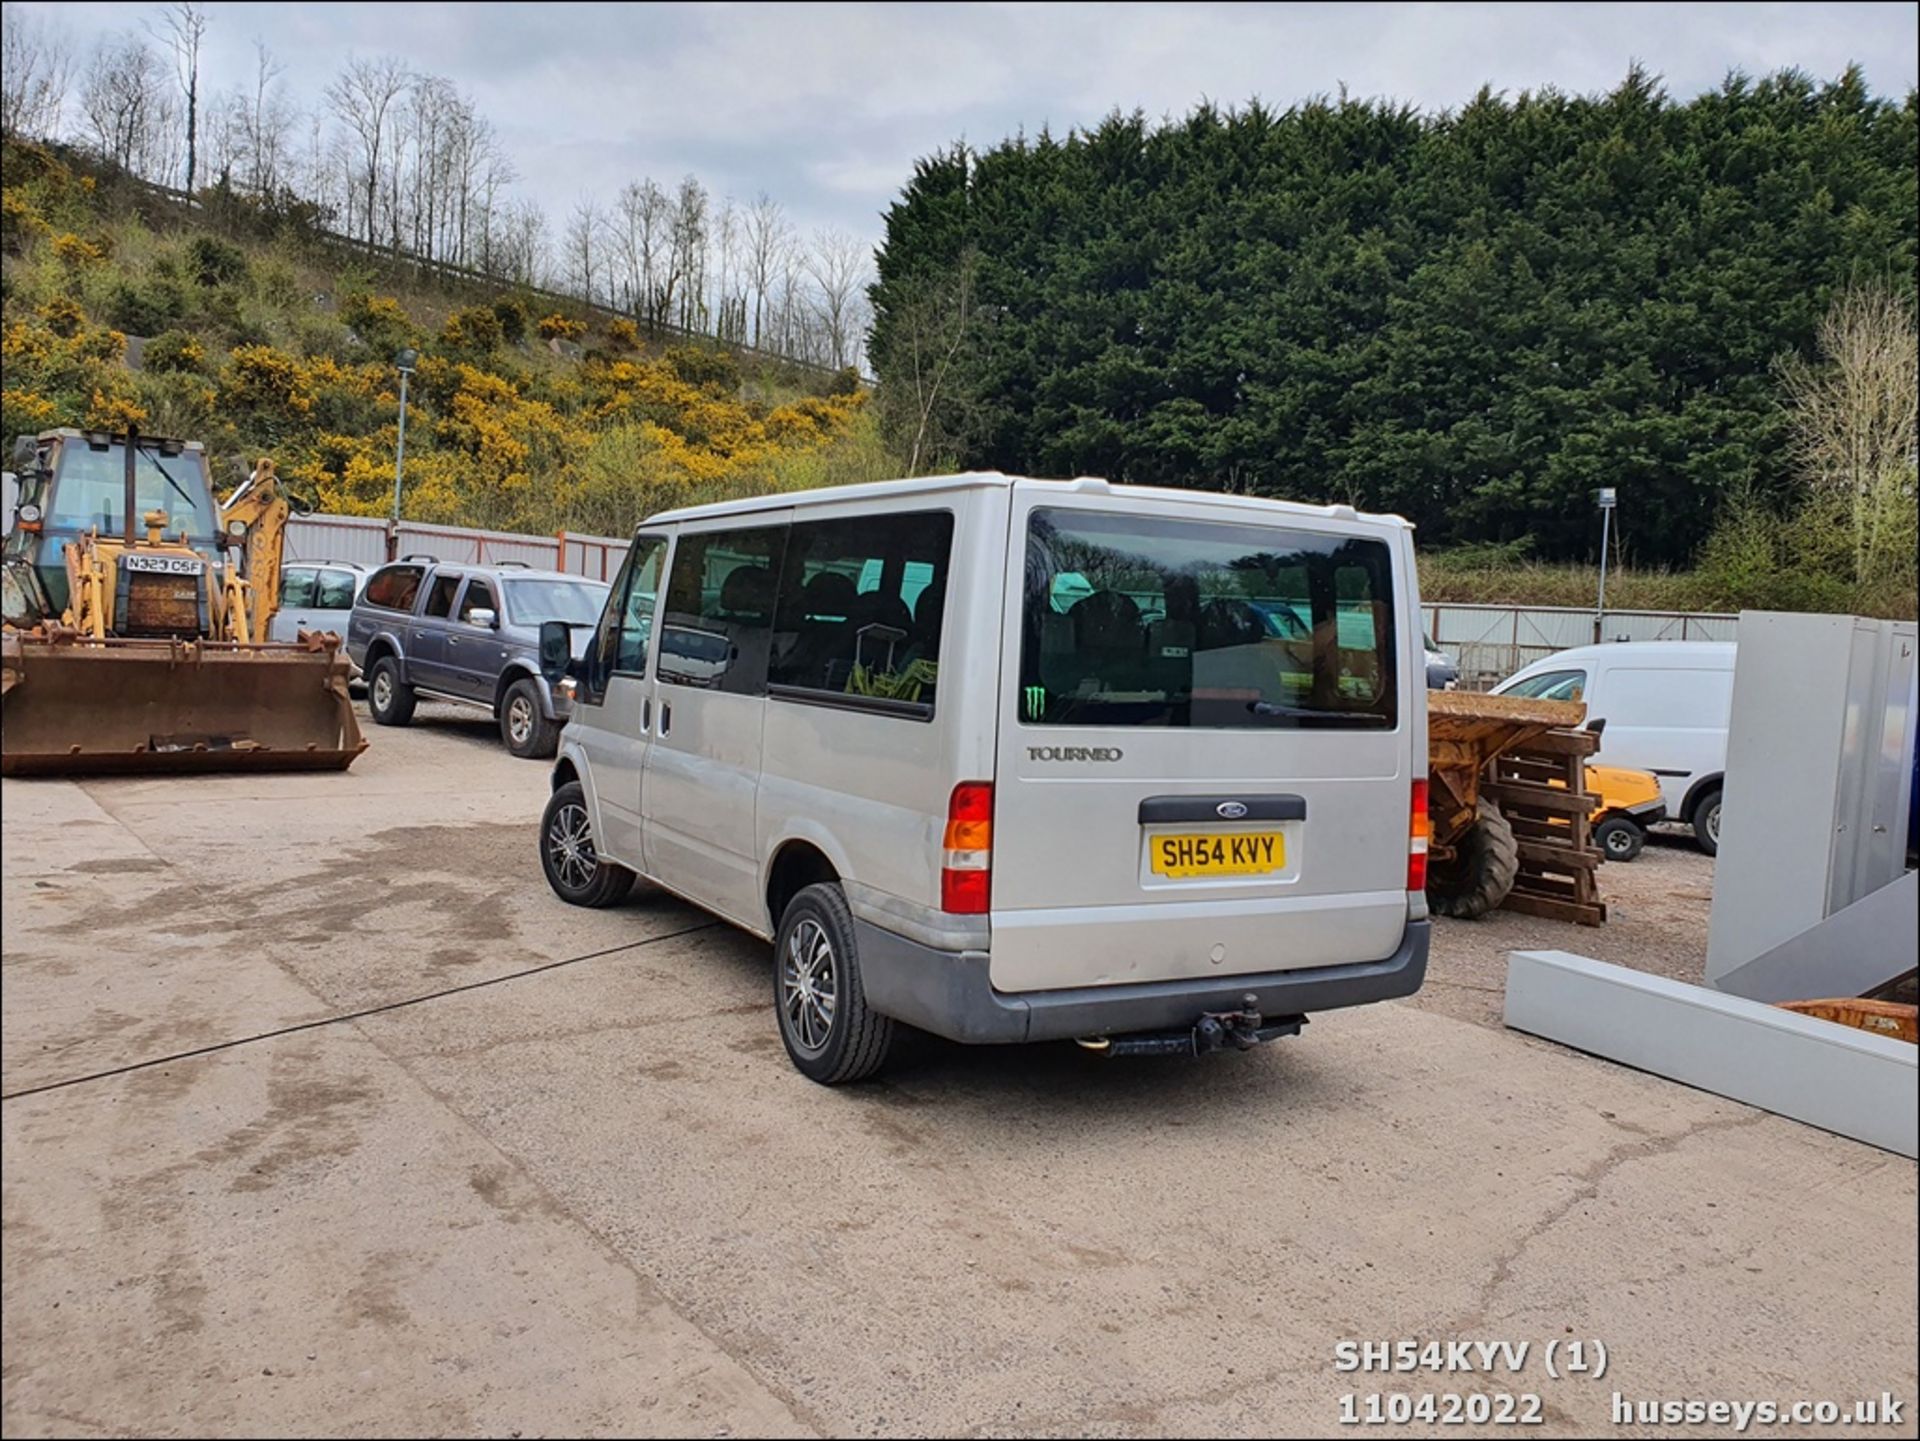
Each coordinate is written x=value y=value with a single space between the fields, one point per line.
x=1475 y=319
x=261 y=340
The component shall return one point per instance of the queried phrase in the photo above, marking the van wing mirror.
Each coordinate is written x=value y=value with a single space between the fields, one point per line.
x=1596 y=725
x=556 y=649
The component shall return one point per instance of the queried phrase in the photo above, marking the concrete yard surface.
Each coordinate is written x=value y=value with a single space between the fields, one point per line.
x=597 y=1198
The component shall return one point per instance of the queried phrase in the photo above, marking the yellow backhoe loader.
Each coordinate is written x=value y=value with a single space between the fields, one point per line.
x=142 y=648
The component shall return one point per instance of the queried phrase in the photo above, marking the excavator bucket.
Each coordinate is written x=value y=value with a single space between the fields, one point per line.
x=79 y=706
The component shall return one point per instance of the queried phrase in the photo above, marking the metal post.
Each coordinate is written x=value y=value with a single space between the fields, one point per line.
x=1606 y=530
x=133 y=460
x=400 y=448
x=403 y=361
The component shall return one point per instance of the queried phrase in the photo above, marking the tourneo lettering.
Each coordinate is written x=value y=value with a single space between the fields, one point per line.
x=1074 y=753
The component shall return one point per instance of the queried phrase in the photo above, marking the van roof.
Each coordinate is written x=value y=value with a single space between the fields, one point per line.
x=1655 y=654
x=994 y=480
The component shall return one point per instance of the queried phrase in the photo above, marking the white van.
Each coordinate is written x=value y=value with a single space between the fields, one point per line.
x=1014 y=760
x=1665 y=704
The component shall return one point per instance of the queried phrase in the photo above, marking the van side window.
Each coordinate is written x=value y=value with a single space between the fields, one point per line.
x=860 y=608
x=1551 y=685
x=335 y=591
x=719 y=613
x=296 y=588
x=395 y=588
x=440 y=598
x=619 y=645
x=1145 y=620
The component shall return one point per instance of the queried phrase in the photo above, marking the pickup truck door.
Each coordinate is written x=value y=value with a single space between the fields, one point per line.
x=475 y=653
x=429 y=660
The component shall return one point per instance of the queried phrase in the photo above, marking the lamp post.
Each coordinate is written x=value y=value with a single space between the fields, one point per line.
x=403 y=362
x=1606 y=499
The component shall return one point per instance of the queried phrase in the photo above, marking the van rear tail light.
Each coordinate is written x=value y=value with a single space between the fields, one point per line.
x=966 y=851
x=1418 y=829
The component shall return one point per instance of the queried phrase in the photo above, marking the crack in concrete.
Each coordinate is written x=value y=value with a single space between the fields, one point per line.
x=1588 y=1181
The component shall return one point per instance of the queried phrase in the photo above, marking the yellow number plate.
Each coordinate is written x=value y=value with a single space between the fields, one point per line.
x=1219 y=853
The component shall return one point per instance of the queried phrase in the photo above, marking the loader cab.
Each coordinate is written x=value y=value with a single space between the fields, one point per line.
x=72 y=481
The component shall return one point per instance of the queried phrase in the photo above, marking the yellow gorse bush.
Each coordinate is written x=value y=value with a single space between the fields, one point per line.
x=500 y=434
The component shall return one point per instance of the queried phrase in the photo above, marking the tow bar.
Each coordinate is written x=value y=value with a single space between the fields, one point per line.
x=1240 y=1030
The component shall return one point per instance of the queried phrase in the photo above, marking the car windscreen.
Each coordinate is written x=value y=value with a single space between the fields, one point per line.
x=1136 y=619
x=92 y=491
x=530 y=602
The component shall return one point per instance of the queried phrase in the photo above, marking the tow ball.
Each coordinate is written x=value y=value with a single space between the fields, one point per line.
x=1239 y=1030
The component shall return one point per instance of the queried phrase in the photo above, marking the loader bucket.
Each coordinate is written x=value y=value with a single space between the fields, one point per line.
x=139 y=707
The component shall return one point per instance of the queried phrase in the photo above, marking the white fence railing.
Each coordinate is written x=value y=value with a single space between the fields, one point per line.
x=363 y=540
x=1491 y=642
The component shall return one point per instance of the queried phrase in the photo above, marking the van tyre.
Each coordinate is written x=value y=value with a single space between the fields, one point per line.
x=831 y=1034
x=390 y=700
x=577 y=874
x=523 y=726
x=1482 y=871
x=1619 y=838
x=1706 y=822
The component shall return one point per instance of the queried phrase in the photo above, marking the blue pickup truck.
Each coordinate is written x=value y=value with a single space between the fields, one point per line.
x=468 y=634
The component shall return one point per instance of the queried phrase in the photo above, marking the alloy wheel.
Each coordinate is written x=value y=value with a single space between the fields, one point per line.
x=808 y=986
x=519 y=719
x=570 y=847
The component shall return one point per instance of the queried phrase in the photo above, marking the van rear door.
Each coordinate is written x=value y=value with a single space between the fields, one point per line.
x=1205 y=767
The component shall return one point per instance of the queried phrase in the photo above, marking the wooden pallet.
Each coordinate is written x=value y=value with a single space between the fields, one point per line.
x=1541 y=788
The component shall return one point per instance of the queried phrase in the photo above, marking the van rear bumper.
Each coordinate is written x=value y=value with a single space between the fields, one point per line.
x=949 y=993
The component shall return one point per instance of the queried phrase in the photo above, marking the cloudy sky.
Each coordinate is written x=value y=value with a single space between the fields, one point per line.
x=826 y=106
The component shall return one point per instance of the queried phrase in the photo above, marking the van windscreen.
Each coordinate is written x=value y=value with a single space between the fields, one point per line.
x=1139 y=620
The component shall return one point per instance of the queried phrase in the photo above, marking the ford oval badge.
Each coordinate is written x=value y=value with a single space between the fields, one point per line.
x=1230 y=810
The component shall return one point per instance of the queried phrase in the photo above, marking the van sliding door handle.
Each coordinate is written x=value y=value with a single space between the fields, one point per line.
x=646 y=714
x=666 y=717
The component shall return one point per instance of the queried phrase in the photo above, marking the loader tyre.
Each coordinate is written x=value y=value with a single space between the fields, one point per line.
x=1482 y=870
x=390 y=700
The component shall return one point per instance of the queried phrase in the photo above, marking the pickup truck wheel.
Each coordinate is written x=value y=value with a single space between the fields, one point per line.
x=1485 y=863
x=1706 y=822
x=390 y=700
x=578 y=875
x=527 y=732
x=1620 y=838
x=831 y=1034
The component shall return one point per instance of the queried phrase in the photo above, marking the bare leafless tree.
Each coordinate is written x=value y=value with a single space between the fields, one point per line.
x=1854 y=412
x=839 y=265
x=36 y=64
x=687 y=255
x=265 y=120
x=767 y=236
x=363 y=98
x=182 y=29
x=638 y=232
x=926 y=403
x=121 y=99
x=582 y=249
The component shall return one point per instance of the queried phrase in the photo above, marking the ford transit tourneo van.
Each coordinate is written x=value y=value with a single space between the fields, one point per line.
x=1014 y=760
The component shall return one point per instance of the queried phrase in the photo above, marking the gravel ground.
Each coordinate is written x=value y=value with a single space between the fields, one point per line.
x=1657 y=908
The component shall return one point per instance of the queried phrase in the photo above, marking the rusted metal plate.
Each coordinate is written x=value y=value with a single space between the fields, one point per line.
x=128 y=707
x=1880 y=1018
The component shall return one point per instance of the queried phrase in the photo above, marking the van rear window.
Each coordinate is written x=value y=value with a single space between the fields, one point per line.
x=1140 y=620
